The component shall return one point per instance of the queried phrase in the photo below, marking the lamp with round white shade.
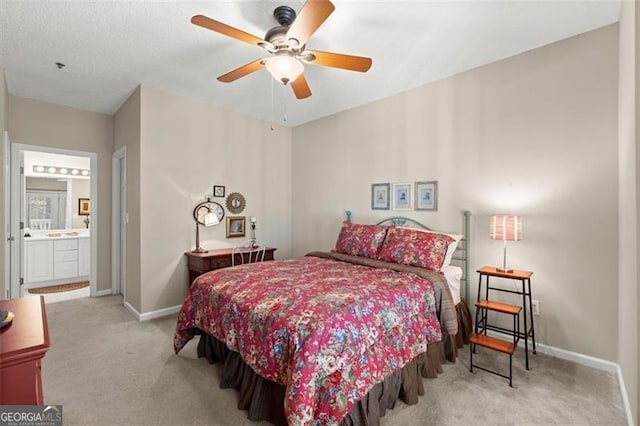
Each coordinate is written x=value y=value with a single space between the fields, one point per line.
x=505 y=228
x=207 y=213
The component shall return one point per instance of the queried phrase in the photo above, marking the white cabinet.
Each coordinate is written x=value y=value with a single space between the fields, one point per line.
x=39 y=261
x=56 y=260
x=65 y=258
x=84 y=256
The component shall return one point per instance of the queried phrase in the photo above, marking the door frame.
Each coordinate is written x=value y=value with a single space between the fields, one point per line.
x=119 y=222
x=16 y=197
x=18 y=213
x=6 y=162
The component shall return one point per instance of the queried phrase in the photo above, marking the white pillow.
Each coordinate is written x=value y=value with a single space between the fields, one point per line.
x=450 y=249
x=453 y=274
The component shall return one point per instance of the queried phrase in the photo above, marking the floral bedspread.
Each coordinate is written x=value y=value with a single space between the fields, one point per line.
x=327 y=330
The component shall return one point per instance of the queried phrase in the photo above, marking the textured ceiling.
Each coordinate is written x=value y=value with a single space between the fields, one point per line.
x=110 y=47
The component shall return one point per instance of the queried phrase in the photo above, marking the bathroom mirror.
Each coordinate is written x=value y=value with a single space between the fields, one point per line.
x=46 y=204
x=235 y=203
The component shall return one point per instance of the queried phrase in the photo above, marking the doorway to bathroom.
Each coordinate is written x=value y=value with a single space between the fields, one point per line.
x=52 y=222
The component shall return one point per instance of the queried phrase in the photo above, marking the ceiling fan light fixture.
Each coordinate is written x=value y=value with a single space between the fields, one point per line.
x=284 y=68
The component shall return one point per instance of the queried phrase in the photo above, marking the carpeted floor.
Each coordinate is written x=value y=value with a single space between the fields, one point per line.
x=106 y=368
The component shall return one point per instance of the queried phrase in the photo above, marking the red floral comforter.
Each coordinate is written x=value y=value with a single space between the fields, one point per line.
x=327 y=330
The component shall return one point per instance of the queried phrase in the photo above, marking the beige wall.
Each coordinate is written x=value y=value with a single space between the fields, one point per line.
x=187 y=146
x=126 y=132
x=628 y=200
x=33 y=122
x=3 y=127
x=534 y=134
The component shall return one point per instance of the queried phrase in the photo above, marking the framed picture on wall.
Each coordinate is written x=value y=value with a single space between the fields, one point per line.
x=83 y=206
x=380 y=196
x=218 y=191
x=236 y=226
x=427 y=195
x=401 y=196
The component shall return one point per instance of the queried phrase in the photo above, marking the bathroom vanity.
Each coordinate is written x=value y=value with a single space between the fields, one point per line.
x=56 y=257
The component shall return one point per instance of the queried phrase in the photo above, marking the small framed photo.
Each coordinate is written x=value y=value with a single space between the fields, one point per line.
x=83 y=207
x=401 y=196
x=380 y=196
x=427 y=195
x=218 y=191
x=236 y=226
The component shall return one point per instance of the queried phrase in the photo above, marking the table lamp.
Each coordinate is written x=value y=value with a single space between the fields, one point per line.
x=206 y=217
x=505 y=228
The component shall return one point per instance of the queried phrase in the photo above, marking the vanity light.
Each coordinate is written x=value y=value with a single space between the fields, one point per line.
x=40 y=168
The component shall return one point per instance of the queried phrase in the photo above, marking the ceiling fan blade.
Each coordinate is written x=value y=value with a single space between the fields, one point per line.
x=242 y=71
x=336 y=60
x=301 y=87
x=219 y=27
x=312 y=15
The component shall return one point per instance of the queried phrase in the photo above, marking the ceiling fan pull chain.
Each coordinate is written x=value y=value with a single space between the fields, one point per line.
x=284 y=106
x=273 y=110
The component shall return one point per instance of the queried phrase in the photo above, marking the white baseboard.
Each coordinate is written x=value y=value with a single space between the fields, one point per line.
x=578 y=358
x=100 y=293
x=160 y=313
x=132 y=310
x=625 y=396
x=153 y=314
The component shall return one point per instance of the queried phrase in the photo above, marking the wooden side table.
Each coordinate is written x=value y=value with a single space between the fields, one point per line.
x=199 y=263
x=23 y=344
x=525 y=278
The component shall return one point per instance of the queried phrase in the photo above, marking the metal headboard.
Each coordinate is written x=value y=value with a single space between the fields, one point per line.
x=462 y=254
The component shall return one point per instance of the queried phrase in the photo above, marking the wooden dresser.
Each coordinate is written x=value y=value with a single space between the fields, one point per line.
x=199 y=263
x=23 y=344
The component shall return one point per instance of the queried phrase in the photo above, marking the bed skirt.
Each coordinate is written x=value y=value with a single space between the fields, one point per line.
x=264 y=399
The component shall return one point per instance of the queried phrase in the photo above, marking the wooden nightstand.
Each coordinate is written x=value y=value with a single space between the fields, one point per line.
x=525 y=279
x=199 y=263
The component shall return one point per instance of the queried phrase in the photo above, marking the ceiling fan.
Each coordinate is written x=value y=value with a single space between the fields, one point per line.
x=286 y=43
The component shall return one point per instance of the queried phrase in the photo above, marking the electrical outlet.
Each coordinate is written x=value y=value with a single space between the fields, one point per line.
x=535 y=304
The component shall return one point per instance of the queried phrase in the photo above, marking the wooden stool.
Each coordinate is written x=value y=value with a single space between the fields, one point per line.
x=480 y=337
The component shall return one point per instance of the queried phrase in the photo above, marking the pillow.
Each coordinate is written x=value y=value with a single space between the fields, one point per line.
x=360 y=240
x=415 y=248
x=450 y=249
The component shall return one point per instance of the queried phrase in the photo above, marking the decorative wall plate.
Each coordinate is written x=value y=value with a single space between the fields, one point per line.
x=236 y=203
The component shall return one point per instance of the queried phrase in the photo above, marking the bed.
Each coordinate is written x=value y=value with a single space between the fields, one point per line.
x=334 y=337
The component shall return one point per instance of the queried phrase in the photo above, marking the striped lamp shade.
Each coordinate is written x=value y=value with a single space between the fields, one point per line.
x=505 y=227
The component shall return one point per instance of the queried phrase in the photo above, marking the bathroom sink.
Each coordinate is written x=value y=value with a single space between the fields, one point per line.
x=62 y=234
